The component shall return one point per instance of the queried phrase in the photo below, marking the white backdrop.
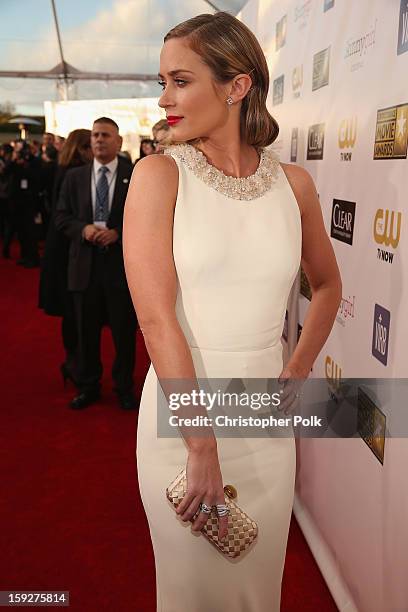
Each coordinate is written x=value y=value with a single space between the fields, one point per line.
x=339 y=91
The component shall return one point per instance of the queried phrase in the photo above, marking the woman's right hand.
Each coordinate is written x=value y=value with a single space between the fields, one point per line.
x=204 y=484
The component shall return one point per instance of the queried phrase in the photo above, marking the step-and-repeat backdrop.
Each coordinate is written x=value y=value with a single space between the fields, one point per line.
x=339 y=91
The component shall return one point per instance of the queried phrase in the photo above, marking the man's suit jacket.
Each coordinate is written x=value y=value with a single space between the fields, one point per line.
x=74 y=212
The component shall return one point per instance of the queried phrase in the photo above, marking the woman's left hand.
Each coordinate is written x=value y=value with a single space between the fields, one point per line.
x=291 y=380
x=293 y=371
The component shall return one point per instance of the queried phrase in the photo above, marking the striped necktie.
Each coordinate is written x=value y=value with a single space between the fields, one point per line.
x=102 y=196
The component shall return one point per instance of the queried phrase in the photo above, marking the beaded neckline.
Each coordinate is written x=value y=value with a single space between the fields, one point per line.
x=238 y=188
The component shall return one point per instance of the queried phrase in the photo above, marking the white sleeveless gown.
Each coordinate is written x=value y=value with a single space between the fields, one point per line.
x=236 y=260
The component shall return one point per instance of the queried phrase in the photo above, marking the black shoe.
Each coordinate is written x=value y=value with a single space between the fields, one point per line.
x=127 y=401
x=84 y=399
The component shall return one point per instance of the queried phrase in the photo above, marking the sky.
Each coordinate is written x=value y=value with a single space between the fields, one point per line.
x=97 y=35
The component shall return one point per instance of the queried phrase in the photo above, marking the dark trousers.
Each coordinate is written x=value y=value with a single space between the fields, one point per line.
x=99 y=304
x=10 y=226
x=24 y=210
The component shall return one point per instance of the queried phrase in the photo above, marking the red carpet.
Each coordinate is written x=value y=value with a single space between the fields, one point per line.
x=70 y=512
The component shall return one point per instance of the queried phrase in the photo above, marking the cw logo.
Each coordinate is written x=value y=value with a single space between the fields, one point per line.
x=348 y=133
x=384 y=227
x=297 y=77
x=333 y=372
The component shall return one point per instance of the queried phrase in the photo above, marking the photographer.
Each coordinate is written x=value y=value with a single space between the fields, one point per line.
x=24 y=189
x=6 y=152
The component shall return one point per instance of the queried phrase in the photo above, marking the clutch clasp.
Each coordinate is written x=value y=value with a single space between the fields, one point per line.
x=230 y=491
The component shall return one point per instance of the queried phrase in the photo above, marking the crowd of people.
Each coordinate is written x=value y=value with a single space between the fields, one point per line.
x=30 y=177
x=27 y=172
x=63 y=200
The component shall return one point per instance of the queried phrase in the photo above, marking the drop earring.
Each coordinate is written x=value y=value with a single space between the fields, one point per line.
x=230 y=101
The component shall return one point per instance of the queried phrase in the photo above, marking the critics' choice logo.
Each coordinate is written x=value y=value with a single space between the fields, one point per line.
x=321 y=68
x=327 y=5
x=294 y=144
x=278 y=86
x=342 y=220
x=315 y=141
x=391 y=132
x=387 y=232
x=297 y=80
x=281 y=32
x=381 y=333
x=347 y=137
x=403 y=28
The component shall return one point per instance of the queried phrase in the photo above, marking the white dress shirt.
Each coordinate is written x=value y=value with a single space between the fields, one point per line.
x=111 y=178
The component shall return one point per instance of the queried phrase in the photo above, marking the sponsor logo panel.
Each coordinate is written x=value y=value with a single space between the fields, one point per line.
x=381 y=333
x=302 y=13
x=305 y=288
x=297 y=80
x=346 y=310
x=321 y=69
x=281 y=32
x=333 y=376
x=278 y=87
x=342 y=220
x=358 y=47
x=294 y=144
x=391 y=132
x=371 y=422
x=403 y=28
x=387 y=233
x=315 y=141
x=347 y=137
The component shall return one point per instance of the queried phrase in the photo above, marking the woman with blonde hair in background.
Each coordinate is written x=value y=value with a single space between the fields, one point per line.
x=54 y=297
x=159 y=125
x=214 y=233
x=162 y=137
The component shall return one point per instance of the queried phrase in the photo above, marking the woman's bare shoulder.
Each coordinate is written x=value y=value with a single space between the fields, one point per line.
x=302 y=184
x=158 y=166
x=155 y=177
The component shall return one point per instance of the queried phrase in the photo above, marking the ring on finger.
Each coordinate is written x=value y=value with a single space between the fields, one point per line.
x=205 y=508
x=222 y=509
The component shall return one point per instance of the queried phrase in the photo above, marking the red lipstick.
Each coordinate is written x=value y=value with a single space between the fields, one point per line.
x=173 y=119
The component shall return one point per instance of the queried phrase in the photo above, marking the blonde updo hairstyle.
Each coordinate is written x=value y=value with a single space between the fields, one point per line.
x=228 y=48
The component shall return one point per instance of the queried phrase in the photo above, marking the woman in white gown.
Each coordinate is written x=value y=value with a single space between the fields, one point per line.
x=214 y=233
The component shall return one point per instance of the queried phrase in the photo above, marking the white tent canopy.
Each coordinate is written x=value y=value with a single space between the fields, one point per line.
x=87 y=50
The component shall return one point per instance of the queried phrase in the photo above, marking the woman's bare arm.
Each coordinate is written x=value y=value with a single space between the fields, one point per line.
x=320 y=266
x=152 y=280
x=150 y=271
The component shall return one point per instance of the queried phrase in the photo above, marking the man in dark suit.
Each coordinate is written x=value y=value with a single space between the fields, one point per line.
x=90 y=212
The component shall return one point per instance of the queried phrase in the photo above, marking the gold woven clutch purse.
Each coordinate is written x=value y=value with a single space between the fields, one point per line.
x=242 y=530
